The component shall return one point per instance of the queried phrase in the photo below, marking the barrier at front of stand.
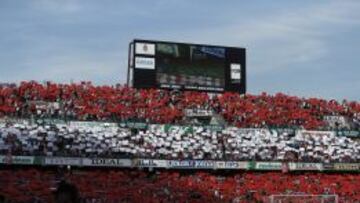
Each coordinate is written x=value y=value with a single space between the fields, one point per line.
x=177 y=164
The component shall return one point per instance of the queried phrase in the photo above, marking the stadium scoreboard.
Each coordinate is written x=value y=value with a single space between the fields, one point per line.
x=184 y=66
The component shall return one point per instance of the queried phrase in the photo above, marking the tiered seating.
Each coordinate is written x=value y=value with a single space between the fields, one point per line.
x=119 y=103
x=172 y=186
x=88 y=102
x=176 y=142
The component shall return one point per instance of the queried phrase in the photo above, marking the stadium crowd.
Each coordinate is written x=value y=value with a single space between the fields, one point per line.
x=176 y=142
x=251 y=139
x=128 y=185
x=85 y=101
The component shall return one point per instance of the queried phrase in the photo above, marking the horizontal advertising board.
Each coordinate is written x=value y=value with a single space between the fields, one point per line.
x=107 y=162
x=316 y=133
x=154 y=163
x=347 y=166
x=305 y=166
x=72 y=161
x=204 y=164
x=20 y=160
x=181 y=164
x=328 y=166
x=348 y=133
x=91 y=124
x=135 y=125
x=198 y=113
x=176 y=164
x=193 y=164
x=231 y=165
x=268 y=166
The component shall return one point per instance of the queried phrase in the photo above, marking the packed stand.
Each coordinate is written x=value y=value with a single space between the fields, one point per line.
x=105 y=185
x=175 y=142
x=85 y=101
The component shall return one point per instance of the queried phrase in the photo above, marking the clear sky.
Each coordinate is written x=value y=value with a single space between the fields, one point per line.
x=305 y=48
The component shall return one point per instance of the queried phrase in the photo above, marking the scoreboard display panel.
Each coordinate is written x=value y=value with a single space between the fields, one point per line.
x=184 y=66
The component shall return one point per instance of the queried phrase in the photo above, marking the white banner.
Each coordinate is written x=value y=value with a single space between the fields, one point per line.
x=235 y=71
x=154 y=163
x=145 y=48
x=268 y=165
x=316 y=133
x=306 y=166
x=107 y=162
x=231 y=164
x=145 y=63
x=86 y=124
x=198 y=112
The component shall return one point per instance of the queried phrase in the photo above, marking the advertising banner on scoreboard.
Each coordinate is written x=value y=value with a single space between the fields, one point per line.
x=186 y=66
x=145 y=63
x=235 y=73
x=145 y=49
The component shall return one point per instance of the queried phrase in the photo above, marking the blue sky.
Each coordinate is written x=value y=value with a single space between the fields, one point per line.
x=305 y=48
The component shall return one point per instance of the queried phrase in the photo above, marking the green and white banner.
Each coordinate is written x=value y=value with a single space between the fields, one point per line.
x=17 y=160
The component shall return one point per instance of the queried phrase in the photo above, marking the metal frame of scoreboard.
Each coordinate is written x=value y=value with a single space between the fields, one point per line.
x=142 y=69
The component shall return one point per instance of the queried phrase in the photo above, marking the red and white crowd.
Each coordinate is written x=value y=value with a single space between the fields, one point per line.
x=85 y=101
x=250 y=138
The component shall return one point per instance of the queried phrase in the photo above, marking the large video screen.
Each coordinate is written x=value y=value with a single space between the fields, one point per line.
x=190 y=66
x=157 y=64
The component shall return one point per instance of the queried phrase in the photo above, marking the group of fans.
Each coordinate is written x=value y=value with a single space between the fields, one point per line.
x=131 y=185
x=175 y=142
x=85 y=101
x=249 y=134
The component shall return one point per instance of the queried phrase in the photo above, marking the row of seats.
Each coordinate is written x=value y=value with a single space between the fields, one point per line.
x=106 y=185
x=176 y=142
x=85 y=101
